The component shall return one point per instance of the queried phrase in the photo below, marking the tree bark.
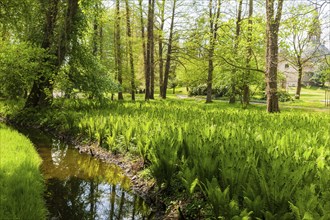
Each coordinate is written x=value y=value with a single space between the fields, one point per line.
x=272 y=28
x=246 y=77
x=144 y=49
x=118 y=50
x=169 y=53
x=161 y=47
x=148 y=52
x=232 y=98
x=152 y=53
x=298 y=91
x=214 y=20
x=41 y=94
x=130 y=49
x=95 y=37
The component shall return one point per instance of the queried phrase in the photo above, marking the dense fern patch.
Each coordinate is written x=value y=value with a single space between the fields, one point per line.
x=244 y=163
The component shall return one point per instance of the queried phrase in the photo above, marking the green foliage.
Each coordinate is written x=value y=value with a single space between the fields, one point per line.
x=202 y=90
x=85 y=73
x=18 y=65
x=21 y=182
x=247 y=164
x=284 y=96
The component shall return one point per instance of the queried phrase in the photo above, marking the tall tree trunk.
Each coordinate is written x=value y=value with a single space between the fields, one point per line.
x=300 y=71
x=95 y=36
x=41 y=93
x=38 y=95
x=131 y=59
x=169 y=53
x=214 y=20
x=118 y=50
x=150 y=53
x=161 y=47
x=272 y=28
x=246 y=77
x=144 y=49
x=232 y=98
x=101 y=42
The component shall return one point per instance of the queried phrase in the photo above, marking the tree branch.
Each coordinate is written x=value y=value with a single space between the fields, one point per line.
x=241 y=67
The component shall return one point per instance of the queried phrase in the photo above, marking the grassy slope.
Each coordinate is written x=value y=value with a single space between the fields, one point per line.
x=21 y=183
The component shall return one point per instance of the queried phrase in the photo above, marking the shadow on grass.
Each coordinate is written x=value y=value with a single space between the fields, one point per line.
x=21 y=194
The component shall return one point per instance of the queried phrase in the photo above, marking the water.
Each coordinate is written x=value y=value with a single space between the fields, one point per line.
x=81 y=187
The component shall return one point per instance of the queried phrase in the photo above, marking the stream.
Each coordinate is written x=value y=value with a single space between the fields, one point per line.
x=79 y=186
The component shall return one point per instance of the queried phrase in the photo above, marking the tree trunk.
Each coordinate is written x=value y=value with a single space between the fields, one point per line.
x=144 y=49
x=246 y=77
x=272 y=28
x=232 y=98
x=210 y=76
x=41 y=92
x=152 y=52
x=214 y=20
x=95 y=36
x=161 y=47
x=169 y=53
x=300 y=71
x=149 y=47
x=131 y=59
x=118 y=50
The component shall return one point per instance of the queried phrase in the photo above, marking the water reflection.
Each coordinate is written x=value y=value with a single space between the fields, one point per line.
x=82 y=187
x=89 y=199
x=57 y=153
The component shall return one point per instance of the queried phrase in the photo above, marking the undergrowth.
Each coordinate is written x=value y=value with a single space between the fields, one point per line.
x=246 y=164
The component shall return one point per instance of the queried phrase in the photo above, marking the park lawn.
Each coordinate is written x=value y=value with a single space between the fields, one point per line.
x=311 y=97
x=21 y=183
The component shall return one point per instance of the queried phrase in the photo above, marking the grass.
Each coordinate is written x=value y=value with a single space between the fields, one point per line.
x=243 y=163
x=21 y=183
x=311 y=97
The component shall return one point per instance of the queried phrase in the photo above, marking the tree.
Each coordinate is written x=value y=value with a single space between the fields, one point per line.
x=149 y=79
x=169 y=53
x=161 y=46
x=273 y=19
x=232 y=98
x=144 y=51
x=118 y=53
x=302 y=32
x=42 y=90
x=130 y=49
x=246 y=89
x=214 y=15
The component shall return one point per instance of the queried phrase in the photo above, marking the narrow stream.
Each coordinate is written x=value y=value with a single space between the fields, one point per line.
x=81 y=187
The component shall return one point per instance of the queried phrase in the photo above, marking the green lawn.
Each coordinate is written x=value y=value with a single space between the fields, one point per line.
x=21 y=183
x=312 y=97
